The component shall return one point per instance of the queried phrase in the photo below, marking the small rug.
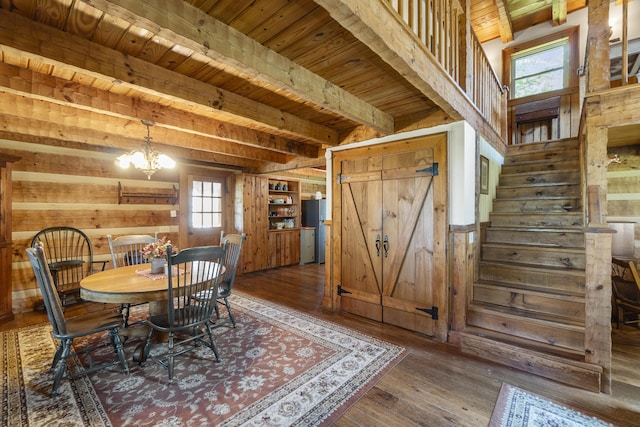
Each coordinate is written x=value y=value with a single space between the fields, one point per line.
x=279 y=368
x=518 y=408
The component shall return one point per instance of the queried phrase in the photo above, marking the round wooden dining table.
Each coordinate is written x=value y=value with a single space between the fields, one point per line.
x=130 y=285
x=125 y=285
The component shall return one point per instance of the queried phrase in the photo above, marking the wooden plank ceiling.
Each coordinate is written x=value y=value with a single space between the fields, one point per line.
x=258 y=85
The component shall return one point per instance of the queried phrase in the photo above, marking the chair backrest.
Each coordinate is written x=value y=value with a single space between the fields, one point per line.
x=52 y=302
x=127 y=250
x=192 y=272
x=233 y=245
x=68 y=252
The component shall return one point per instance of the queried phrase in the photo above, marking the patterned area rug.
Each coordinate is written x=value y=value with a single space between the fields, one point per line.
x=279 y=368
x=518 y=408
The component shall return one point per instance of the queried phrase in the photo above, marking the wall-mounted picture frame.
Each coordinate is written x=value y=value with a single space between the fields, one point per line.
x=484 y=175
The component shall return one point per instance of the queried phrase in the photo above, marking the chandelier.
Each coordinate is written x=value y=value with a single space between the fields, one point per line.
x=146 y=158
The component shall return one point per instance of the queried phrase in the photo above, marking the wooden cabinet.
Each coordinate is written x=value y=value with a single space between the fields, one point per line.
x=6 y=308
x=284 y=223
x=251 y=217
x=284 y=248
x=261 y=203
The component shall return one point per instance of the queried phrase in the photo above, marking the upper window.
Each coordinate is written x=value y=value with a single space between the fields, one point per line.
x=544 y=65
x=206 y=204
x=541 y=69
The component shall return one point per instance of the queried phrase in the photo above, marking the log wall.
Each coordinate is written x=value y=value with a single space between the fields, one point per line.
x=59 y=186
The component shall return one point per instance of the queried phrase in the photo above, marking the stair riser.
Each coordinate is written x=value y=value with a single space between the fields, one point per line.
x=538 y=257
x=570 y=308
x=544 y=166
x=555 y=239
x=549 y=334
x=567 y=220
x=563 y=144
x=554 y=281
x=572 y=177
x=539 y=192
x=537 y=206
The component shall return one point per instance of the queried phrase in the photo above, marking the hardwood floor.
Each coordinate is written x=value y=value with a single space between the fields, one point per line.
x=434 y=385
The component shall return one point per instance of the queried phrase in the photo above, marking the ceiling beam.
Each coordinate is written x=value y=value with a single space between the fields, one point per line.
x=504 y=22
x=63 y=92
x=69 y=117
x=39 y=132
x=29 y=40
x=189 y=27
x=559 y=12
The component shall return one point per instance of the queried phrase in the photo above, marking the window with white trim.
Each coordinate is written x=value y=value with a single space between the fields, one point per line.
x=540 y=69
x=206 y=204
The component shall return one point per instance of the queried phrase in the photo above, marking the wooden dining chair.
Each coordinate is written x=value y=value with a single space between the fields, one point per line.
x=127 y=250
x=625 y=287
x=67 y=329
x=70 y=255
x=233 y=245
x=191 y=271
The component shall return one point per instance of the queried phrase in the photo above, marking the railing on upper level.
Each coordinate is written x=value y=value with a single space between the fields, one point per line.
x=439 y=24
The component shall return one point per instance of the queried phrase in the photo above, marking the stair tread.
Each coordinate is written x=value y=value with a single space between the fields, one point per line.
x=539 y=184
x=524 y=289
x=543 y=268
x=529 y=247
x=542 y=319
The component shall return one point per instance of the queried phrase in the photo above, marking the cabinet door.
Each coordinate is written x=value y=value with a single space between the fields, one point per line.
x=283 y=248
x=393 y=238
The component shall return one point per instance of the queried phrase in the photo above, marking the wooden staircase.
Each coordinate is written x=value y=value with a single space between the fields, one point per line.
x=529 y=291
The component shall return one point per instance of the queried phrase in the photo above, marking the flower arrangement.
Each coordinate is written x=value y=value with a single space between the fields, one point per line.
x=157 y=249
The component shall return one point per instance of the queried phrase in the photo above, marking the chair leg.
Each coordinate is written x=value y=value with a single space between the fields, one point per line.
x=215 y=306
x=171 y=357
x=233 y=319
x=62 y=365
x=620 y=317
x=56 y=357
x=213 y=345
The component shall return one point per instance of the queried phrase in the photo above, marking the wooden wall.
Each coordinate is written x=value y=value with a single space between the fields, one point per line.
x=59 y=185
x=56 y=186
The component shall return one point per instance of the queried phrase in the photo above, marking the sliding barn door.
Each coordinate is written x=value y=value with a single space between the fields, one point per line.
x=393 y=238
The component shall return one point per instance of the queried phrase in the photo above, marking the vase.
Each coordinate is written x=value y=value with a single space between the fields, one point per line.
x=157 y=265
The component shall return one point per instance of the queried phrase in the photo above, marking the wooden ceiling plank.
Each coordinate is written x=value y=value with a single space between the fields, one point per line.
x=174 y=20
x=52 y=89
x=559 y=12
x=26 y=38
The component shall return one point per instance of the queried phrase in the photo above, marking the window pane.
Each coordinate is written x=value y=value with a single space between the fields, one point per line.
x=539 y=83
x=196 y=219
x=217 y=220
x=217 y=189
x=539 y=62
x=197 y=188
x=207 y=205
x=207 y=220
x=207 y=189
x=196 y=204
x=217 y=205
